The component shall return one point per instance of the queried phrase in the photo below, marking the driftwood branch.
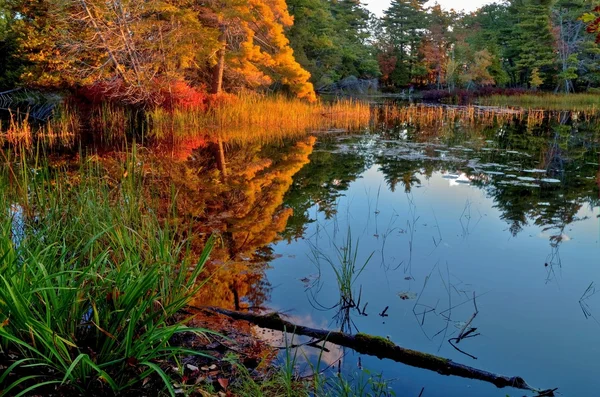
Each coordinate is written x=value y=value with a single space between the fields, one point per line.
x=383 y=348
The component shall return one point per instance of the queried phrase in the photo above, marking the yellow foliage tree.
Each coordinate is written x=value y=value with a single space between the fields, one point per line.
x=536 y=80
x=259 y=53
x=136 y=51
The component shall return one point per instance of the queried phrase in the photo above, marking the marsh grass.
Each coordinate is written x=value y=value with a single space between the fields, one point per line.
x=347 y=269
x=548 y=101
x=242 y=118
x=90 y=281
x=254 y=117
x=439 y=115
x=319 y=381
x=19 y=131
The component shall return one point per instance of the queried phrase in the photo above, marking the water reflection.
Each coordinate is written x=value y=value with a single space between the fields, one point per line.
x=459 y=223
x=482 y=233
x=244 y=207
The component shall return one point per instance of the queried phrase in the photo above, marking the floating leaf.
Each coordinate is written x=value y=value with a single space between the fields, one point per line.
x=407 y=295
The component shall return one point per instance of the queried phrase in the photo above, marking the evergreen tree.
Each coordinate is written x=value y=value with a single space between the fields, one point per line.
x=531 y=44
x=330 y=39
x=405 y=22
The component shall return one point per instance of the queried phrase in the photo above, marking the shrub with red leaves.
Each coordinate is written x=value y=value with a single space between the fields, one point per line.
x=180 y=95
x=173 y=94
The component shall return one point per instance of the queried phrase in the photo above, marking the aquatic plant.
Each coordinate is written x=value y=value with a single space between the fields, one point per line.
x=347 y=269
x=258 y=118
x=584 y=102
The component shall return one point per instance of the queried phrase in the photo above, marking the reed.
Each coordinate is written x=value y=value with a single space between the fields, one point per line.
x=254 y=117
x=61 y=129
x=577 y=102
x=438 y=116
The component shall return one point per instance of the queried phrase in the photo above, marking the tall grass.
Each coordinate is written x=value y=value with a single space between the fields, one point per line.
x=584 y=101
x=254 y=117
x=443 y=116
x=347 y=269
x=61 y=129
x=90 y=281
x=236 y=118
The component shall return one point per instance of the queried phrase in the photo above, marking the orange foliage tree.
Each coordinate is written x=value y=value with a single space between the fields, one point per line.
x=148 y=53
x=257 y=51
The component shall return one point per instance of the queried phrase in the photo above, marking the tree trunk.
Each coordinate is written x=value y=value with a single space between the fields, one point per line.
x=383 y=348
x=217 y=78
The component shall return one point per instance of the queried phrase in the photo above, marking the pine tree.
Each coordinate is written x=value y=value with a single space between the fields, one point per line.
x=531 y=44
x=405 y=21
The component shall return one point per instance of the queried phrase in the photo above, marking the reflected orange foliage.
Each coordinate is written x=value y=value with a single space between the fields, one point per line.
x=256 y=219
x=245 y=210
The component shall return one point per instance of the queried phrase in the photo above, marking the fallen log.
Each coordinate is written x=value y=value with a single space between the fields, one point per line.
x=383 y=348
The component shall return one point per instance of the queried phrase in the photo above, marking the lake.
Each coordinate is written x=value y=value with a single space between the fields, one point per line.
x=427 y=213
x=466 y=232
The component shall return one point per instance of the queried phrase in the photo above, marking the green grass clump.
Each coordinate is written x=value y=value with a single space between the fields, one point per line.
x=90 y=281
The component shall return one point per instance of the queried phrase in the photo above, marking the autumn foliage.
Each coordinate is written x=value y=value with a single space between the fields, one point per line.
x=156 y=53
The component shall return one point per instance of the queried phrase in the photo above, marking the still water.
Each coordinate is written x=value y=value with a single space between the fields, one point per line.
x=440 y=211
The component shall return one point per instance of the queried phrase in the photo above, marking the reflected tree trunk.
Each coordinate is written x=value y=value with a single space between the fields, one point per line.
x=219 y=153
x=598 y=176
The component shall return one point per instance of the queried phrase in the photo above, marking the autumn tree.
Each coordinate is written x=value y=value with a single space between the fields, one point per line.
x=489 y=28
x=125 y=50
x=535 y=81
x=253 y=50
x=9 y=63
x=477 y=71
x=148 y=52
x=436 y=45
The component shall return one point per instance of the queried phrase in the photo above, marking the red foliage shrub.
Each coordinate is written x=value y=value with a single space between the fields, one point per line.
x=179 y=95
x=219 y=100
x=173 y=94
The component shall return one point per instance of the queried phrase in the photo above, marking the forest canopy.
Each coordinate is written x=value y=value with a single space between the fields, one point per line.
x=175 y=52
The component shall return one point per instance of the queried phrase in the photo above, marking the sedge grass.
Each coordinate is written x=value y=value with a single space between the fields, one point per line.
x=548 y=101
x=347 y=269
x=90 y=282
x=253 y=117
